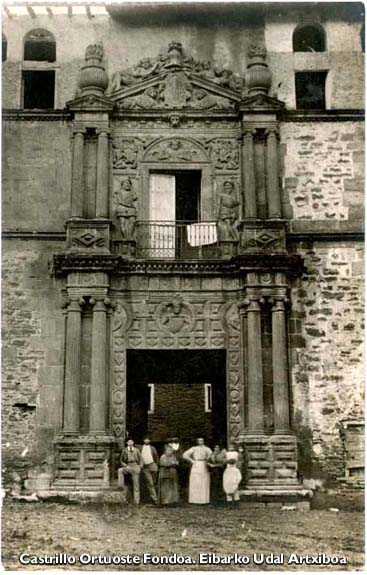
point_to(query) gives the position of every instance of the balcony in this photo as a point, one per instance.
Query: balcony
(177, 240)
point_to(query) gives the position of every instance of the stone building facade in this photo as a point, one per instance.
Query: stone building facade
(182, 236)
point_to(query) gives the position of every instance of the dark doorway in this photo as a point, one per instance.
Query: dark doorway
(177, 393)
(188, 196)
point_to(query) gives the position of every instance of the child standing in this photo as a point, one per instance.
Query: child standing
(232, 477)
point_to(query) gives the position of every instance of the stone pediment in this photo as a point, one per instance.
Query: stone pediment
(261, 102)
(174, 81)
(90, 102)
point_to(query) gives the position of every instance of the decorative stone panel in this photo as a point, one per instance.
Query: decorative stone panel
(88, 235)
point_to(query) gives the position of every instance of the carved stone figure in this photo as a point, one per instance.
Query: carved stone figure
(228, 213)
(126, 210)
(176, 316)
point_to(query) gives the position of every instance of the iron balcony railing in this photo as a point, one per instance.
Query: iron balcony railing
(177, 240)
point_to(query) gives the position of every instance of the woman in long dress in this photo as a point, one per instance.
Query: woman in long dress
(168, 491)
(216, 463)
(199, 480)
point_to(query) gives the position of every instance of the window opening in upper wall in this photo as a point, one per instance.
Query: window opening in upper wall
(309, 38)
(4, 48)
(310, 90)
(39, 89)
(40, 46)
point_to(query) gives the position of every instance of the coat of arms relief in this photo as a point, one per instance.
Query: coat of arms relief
(174, 80)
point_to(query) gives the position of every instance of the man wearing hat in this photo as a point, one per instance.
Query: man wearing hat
(131, 463)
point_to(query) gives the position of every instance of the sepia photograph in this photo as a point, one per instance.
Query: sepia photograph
(182, 191)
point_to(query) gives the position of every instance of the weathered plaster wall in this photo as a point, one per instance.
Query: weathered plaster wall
(324, 170)
(35, 175)
(32, 351)
(327, 334)
(343, 59)
(205, 36)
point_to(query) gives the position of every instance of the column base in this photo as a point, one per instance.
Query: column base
(271, 461)
(84, 462)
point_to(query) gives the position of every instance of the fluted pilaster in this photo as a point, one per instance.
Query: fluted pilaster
(102, 192)
(77, 185)
(280, 366)
(248, 174)
(71, 418)
(273, 192)
(98, 387)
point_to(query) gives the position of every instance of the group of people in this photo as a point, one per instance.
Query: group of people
(212, 473)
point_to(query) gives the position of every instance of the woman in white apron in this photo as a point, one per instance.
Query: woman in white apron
(199, 481)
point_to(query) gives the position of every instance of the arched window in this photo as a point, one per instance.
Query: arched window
(40, 46)
(39, 79)
(4, 48)
(309, 38)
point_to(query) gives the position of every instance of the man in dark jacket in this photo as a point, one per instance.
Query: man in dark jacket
(131, 464)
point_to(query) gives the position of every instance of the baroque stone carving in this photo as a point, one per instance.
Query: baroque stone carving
(228, 213)
(125, 210)
(175, 316)
(125, 154)
(224, 153)
(122, 317)
(181, 82)
(175, 59)
(177, 150)
(230, 317)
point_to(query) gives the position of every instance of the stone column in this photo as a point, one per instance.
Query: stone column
(273, 192)
(280, 367)
(248, 175)
(102, 192)
(77, 185)
(72, 367)
(98, 387)
(255, 402)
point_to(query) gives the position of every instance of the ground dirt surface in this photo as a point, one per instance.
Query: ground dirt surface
(45, 528)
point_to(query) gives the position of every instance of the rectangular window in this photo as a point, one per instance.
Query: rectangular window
(208, 397)
(39, 89)
(150, 398)
(310, 90)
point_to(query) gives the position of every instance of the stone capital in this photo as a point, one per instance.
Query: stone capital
(251, 303)
(278, 303)
(248, 133)
(100, 304)
(272, 131)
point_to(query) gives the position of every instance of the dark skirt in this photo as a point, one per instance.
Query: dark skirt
(168, 492)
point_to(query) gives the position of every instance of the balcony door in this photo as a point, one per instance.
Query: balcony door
(174, 202)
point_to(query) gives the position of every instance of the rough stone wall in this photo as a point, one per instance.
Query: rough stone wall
(326, 336)
(323, 170)
(35, 176)
(32, 352)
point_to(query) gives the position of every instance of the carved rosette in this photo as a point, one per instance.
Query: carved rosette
(122, 320)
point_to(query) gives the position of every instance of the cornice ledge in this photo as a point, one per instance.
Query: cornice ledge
(36, 115)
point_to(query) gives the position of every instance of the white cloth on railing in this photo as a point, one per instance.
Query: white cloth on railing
(202, 234)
